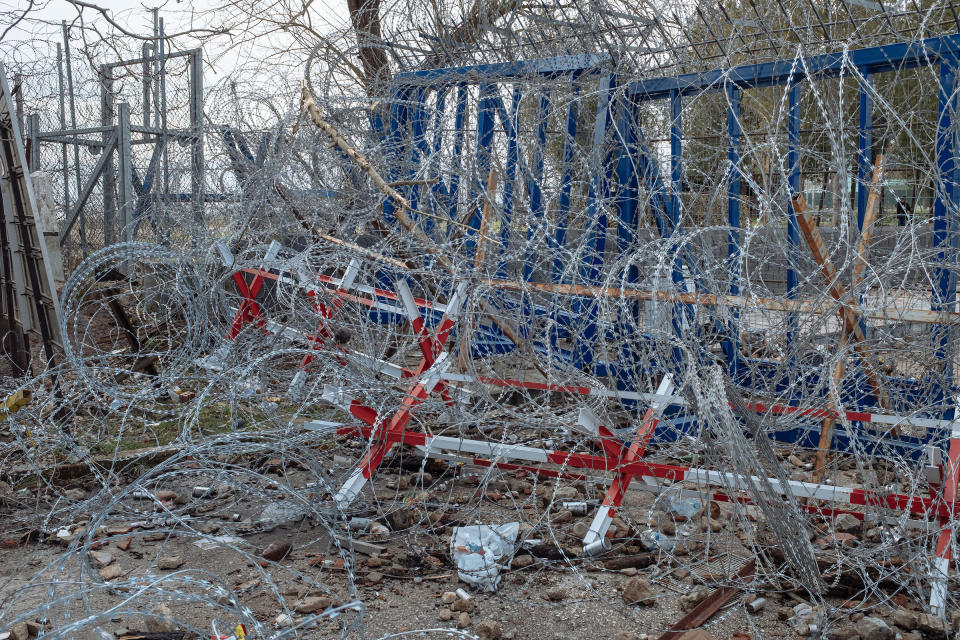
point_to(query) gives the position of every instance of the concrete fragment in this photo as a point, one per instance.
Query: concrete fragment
(905, 619)
(375, 577)
(463, 621)
(696, 596)
(931, 625)
(462, 605)
(448, 597)
(74, 494)
(19, 631)
(169, 563)
(314, 604)
(843, 633)
(562, 517)
(521, 561)
(445, 614)
(846, 523)
(100, 559)
(638, 591)
(111, 572)
(283, 621)
(871, 628)
(488, 630)
(276, 551)
(161, 620)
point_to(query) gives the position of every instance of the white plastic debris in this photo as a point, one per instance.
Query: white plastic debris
(481, 551)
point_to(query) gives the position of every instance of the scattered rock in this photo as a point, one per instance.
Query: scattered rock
(448, 597)
(445, 614)
(846, 523)
(169, 563)
(843, 633)
(314, 604)
(931, 625)
(111, 572)
(797, 462)
(34, 628)
(276, 551)
(905, 619)
(556, 594)
(562, 517)
(19, 631)
(695, 597)
(463, 621)
(399, 519)
(462, 605)
(161, 620)
(375, 577)
(870, 628)
(124, 545)
(521, 561)
(638, 591)
(784, 613)
(911, 635)
(101, 559)
(488, 630)
(712, 523)
(165, 495)
(374, 562)
(283, 621)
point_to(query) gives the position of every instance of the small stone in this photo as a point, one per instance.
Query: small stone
(562, 517)
(521, 561)
(19, 631)
(784, 613)
(843, 633)
(931, 625)
(34, 628)
(399, 519)
(488, 630)
(629, 571)
(905, 619)
(111, 572)
(846, 523)
(871, 628)
(314, 604)
(797, 462)
(911, 635)
(283, 621)
(638, 591)
(712, 523)
(374, 562)
(165, 495)
(100, 559)
(695, 597)
(276, 551)
(169, 563)
(555, 595)
(375, 577)
(463, 621)
(462, 605)
(445, 614)
(75, 494)
(161, 620)
(448, 597)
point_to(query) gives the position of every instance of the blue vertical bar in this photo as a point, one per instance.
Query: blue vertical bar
(418, 150)
(628, 220)
(676, 152)
(566, 180)
(864, 147)
(945, 228)
(508, 184)
(733, 220)
(793, 231)
(536, 206)
(485, 123)
(596, 229)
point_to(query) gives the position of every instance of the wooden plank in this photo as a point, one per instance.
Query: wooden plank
(709, 606)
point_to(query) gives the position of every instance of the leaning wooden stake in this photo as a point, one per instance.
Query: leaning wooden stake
(866, 236)
(848, 315)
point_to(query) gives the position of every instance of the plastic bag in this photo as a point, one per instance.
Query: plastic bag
(481, 551)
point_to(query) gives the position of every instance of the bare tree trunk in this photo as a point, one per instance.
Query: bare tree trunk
(365, 17)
